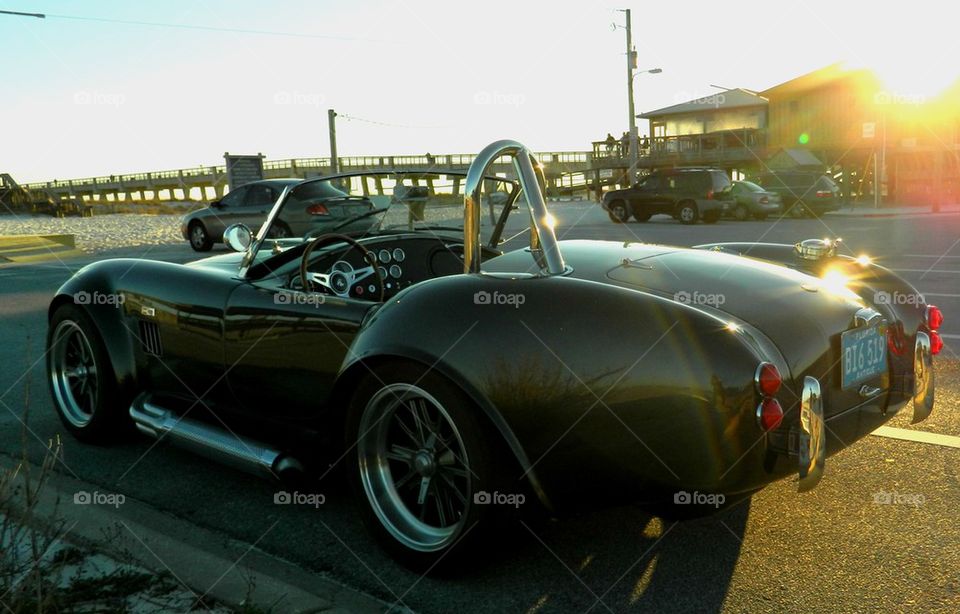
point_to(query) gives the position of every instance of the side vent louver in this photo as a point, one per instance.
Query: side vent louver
(150, 338)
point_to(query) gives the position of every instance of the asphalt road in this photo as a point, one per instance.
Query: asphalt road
(833, 549)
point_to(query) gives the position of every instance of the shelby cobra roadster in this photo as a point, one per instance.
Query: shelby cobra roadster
(450, 380)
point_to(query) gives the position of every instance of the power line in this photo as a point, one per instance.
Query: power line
(187, 26)
(386, 124)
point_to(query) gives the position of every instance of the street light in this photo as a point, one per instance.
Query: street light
(631, 73)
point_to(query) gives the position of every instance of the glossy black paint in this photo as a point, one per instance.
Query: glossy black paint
(602, 384)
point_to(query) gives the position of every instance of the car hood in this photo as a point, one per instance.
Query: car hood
(229, 263)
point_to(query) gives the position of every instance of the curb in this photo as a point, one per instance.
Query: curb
(37, 248)
(210, 564)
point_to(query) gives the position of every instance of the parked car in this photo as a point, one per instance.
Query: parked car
(439, 375)
(687, 194)
(750, 200)
(325, 207)
(804, 194)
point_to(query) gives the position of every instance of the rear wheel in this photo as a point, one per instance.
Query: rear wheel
(424, 466)
(81, 379)
(618, 212)
(687, 212)
(199, 239)
(279, 230)
(740, 212)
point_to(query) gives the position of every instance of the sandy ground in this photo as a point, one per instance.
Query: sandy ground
(101, 232)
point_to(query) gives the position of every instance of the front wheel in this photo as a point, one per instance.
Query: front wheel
(199, 238)
(81, 379)
(618, 212)
(425, 465)
(688, 213)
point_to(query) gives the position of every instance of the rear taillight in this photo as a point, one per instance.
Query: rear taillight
(824, 193)
(768, 379)
(936, 343)
(709, 194)
(933, 317)
(764, 200)
(318, 209)
(770, 414)
(768, 382)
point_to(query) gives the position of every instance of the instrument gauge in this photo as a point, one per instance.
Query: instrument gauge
(395, 271)
(382, 271)
(384, 256)
(399, 255)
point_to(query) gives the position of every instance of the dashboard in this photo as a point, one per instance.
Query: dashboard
(400, 261)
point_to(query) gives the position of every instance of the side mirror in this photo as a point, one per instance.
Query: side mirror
(238, 237)
(217, 204)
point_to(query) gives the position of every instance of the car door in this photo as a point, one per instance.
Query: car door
(226, 211)
(257, 204)
(283, 349)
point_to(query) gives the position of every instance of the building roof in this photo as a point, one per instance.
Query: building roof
(727, 99)
(819, 78)
(794, 158)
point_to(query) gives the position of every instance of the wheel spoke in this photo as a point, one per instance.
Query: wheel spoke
(399, 484)
(451, 486)
(440, 511)
(407, 430)
(401, 453)
(424, 490)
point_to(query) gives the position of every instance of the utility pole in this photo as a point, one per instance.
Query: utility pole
(332, 124)
(631, 65)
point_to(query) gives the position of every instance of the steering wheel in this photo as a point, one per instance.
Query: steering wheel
(342, 276)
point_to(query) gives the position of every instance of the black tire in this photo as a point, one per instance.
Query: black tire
(199, 237)
(419, 539)
(741, 213)
(86, 399)
(687, 212)
(711, 217)
(760, 216)
(641, 216)
(619, 212)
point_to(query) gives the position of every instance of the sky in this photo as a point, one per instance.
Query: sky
(82, 97)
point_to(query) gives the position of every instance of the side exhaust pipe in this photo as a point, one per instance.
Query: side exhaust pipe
(218, 444)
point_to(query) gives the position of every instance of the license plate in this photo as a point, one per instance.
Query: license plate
(864, 354)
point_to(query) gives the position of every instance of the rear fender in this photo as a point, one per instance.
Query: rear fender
(570, 370)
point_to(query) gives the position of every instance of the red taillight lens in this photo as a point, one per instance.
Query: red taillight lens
(824, 193)
(771, 414)
(318, 209)
(936, 343)
(934, 317)
(768, 379)
(709, 194)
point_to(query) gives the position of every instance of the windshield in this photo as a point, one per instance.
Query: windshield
(367, 203)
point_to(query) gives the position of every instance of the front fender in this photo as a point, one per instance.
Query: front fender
(598, 390)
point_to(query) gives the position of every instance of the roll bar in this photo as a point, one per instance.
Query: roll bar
(543, 240)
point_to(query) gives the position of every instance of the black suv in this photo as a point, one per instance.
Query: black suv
(687, 194)
(804, 193)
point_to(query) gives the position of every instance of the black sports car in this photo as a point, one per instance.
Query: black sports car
(455, 383)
